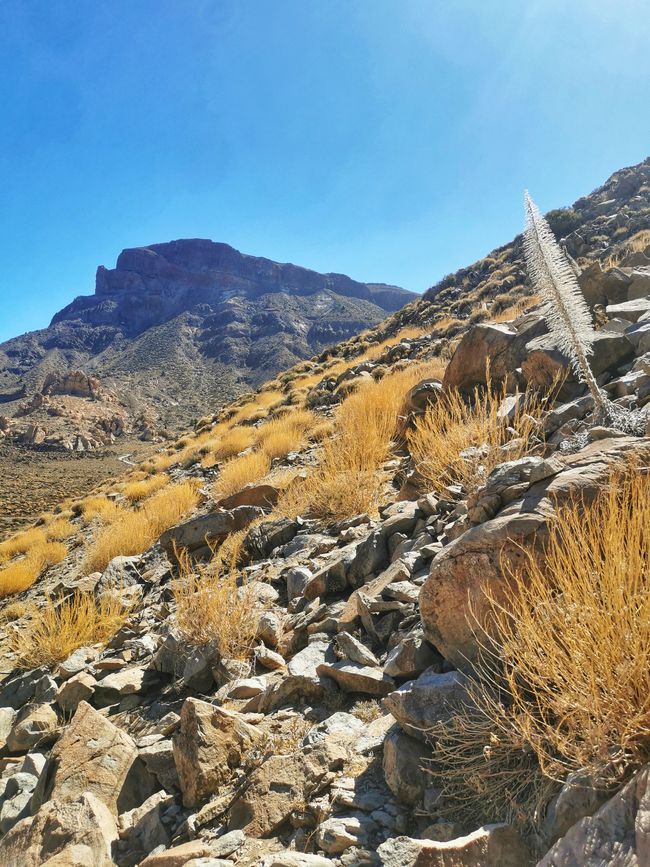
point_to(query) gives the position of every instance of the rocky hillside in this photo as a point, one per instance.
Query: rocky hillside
(178, 328)
(266, 646)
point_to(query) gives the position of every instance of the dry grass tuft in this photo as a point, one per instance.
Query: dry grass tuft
(285, 434)
(210, 607)
(486, 770)
(573, 635)
(348, 479)
(39, 553)
(516, 309)
(58, 529)
(563, 683)
(459, 442)
(134, 531)
(137, 491)
(241, 471)
(102, 508)
(57, 629)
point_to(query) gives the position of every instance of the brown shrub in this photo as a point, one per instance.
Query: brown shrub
(135, 531)
(459, 441)
(58, 628)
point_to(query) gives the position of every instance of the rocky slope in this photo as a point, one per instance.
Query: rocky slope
(313, 750)
(176, 329)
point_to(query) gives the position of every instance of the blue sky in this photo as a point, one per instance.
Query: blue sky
(386, 139)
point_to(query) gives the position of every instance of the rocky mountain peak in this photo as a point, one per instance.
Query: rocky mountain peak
(152, 284)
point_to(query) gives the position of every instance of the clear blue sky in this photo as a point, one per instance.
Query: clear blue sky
(386, 139)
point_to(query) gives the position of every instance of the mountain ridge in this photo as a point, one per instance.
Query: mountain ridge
(180, 326)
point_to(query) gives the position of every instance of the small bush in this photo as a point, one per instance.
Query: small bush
(486, 769)
(61, 626)
(137, 491)
(241, 471)
(58, 529)
(563, 684)
(459, 441)
(348, 479)
(21, 574)
(135, 531)
(285, 434)
(210, 607)
(102, 508)
(573, 635)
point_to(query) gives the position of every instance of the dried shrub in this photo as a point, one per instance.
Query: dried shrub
(573, 635)
(486, 769)
(102, 508)
(61, 626)
(241, 471)
(285, 434)
(21, 574)
(348, 479)
(137, 491)
(212, 608)
(459, 441)
(135, 531)
(563, 683)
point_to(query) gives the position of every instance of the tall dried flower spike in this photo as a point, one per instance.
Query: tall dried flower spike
(564, 307)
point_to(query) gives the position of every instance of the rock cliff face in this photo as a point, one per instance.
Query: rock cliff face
(178, 327)
(151, 285)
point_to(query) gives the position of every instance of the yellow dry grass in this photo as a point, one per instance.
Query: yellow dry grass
(55, 630)
(241, 471)
(348, 479)
(102, 508)
(258, 407)
(458, 441)
(134, 531)
(573, 636)
(58, 529)
(20, 574)
(285, 434)
(211, 607)
(137, 491)
(518, 308)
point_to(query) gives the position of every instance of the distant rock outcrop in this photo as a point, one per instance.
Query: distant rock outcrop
(183, 326)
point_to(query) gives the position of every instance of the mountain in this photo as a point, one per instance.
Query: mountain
(593, 229)
(176, 328)
(422, 636)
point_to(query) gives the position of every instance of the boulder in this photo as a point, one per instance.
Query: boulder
(179, 856)
(93, 756)
(159, 761)
(354, 677)
(197, 533)
(630, 310)
(338, 833)
(282, 784)
(80, 687)
(207, 747)
(295, 859)
(472, 562)
(500, 346)
(264, 538)
(263, 496)
(72, 833)
(604, 287)
(490, 846)
(404, 768)
(34, 725)
(411, 656)
(432, 698)
(617, 834)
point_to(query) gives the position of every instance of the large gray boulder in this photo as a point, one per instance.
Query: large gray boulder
(618, 834)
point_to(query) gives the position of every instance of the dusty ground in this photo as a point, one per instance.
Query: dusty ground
(34, 481)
